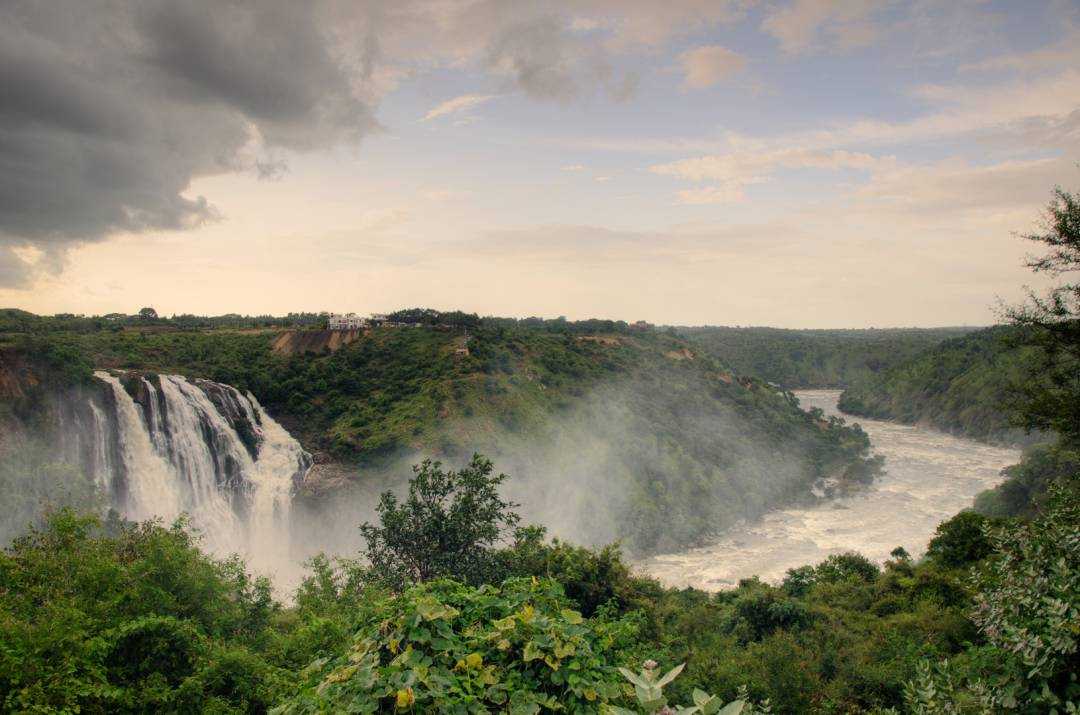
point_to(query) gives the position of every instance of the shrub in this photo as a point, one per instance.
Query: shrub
(1028, 606)
(849, 565)
(445, 647)
(961, 540)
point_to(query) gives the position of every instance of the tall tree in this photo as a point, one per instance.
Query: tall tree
(1050, 398)
(448, 525)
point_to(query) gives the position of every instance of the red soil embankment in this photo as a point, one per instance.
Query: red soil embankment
(315, 341)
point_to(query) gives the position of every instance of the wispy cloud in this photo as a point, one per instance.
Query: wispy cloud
(705, 67)
(1065, 53)
(728, 193)
(737, 169)
(458, 106)
(847, 24)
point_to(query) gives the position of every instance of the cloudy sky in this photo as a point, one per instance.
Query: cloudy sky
(799, 163)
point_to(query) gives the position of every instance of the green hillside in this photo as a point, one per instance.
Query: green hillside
(962, 386)
(627, 435)
(816, 358)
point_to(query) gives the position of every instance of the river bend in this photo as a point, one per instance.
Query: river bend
(929, 476)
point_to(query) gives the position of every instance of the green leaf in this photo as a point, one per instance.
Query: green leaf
(532, 651)
(505, 624)
(733, 708)
(634, 678)
(571, 616)
(522, 704)
(670, 675)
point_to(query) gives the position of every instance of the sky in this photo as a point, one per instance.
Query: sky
(794, 163)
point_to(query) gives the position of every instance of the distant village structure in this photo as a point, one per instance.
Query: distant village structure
(346, 321)
(352, 321)
(402, 319)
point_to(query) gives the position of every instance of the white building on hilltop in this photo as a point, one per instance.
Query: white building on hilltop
(345, 321)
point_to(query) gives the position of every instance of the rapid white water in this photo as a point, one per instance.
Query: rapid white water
(194, 447)
(929, 477)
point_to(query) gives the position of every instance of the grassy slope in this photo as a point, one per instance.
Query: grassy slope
(816, 358)
(960, 386)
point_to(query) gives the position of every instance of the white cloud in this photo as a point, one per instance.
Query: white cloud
(706, 66)
(742, 166)
(954, 192)
(737, 169)
(848, 24)
(457, 106)
(601, 179)
(574, 167)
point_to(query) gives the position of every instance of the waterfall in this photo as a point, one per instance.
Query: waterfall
(151, 488)
(166, 445)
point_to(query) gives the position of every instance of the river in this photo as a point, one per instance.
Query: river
(929, 476)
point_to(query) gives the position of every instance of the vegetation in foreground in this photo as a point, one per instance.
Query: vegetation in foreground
(107, 616)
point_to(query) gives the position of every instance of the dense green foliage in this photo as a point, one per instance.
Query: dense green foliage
(963, 386)
(1027, 605)
(20, 321)
(428, 316)
(117, 618)
(448, 648)
(1027, 483)
(800, 359)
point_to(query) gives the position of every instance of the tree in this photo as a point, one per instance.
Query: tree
(1050, 398)
(449, 525)
(148, 314)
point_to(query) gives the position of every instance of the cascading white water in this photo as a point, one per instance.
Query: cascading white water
(151, 490)
(273, 479)
(221, 459)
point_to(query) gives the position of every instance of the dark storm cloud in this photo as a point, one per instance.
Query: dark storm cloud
(111, 108)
